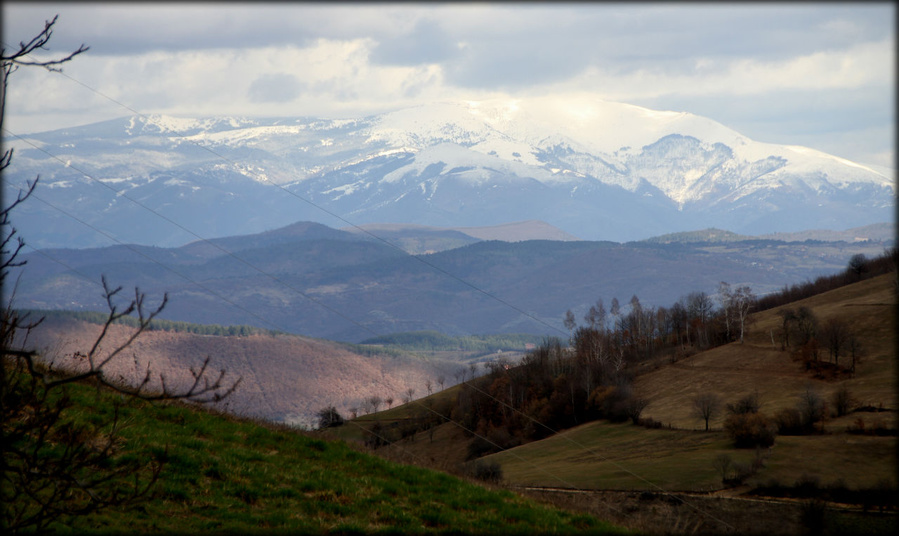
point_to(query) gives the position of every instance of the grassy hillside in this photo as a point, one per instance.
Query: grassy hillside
(869, 308)
(227, 475)
(667, 475)
(600, 455)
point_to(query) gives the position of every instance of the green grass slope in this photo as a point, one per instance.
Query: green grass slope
(228, 475)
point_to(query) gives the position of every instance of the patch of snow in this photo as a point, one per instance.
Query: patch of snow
(345, 190)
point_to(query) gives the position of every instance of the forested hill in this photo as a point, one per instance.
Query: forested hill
(330, 284)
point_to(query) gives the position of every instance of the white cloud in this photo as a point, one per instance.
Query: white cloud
(865, 64)
(346, 59)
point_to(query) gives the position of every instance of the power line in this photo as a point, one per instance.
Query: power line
(262, 178)
(142, 254)
(351, 224)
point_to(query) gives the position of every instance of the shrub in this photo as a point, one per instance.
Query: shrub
(649, 422)
(377, 436)
(749, 430)
(488, 471)
(789, 422)
(723, 463)
(842, 401)
(480, 446)
(807, 485)
(747, 404)
(329, 417)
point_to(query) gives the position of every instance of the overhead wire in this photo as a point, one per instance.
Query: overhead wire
(318, 302)
(263, 178)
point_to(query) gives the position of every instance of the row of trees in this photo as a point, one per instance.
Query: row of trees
(807, 339)
(857, 268)
(158, 324)
(558, 386)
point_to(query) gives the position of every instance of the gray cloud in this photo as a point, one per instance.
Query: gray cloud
(426, 43)
(844, 123)
(371, 55)
(279, 87)
(613, 30)
(548, 42)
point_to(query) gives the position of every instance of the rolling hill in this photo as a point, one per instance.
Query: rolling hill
(284, 378)
(309, 279)
(226, 475)
(665, 473)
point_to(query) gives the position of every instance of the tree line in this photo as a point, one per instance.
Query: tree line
(157, 324)
(859, 267)
(557, 386)
(435, 341)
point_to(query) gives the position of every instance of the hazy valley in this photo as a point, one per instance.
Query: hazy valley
(312, 280)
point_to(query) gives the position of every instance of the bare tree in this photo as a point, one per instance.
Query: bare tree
(460, 375)
(429, 386)
(705, 406)
(788, 320)
(856, 351)
(374, 402)
(736, 304)
(806, 325)
(634, 407)
(811, 408)
(858, 264)
(723, 463)
(747, 404)
(835, 335)
(842, 401)
(615, 311)
(389, 401)
(699, 310)
(409, 395)
(596, 316)
(21, 56)
(441, 381)
(55, 467)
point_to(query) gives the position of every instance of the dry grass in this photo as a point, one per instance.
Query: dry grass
(667, 481)
(758, 365)
(625, 457)
(604, 456)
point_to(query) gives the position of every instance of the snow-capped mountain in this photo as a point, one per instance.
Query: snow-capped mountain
(595, 169)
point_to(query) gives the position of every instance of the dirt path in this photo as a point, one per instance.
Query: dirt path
(723, 511)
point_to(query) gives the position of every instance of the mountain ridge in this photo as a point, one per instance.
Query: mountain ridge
(594, 169)
(338, 285)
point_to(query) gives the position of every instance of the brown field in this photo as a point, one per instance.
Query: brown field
(758, 365)
(663, 481)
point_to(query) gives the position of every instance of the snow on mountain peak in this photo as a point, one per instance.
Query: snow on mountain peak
(615, 134)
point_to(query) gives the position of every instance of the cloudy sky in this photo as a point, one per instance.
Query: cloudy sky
(818, 75)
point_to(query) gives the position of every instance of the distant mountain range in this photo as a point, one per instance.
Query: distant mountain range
(595, 170)
(313, 280)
